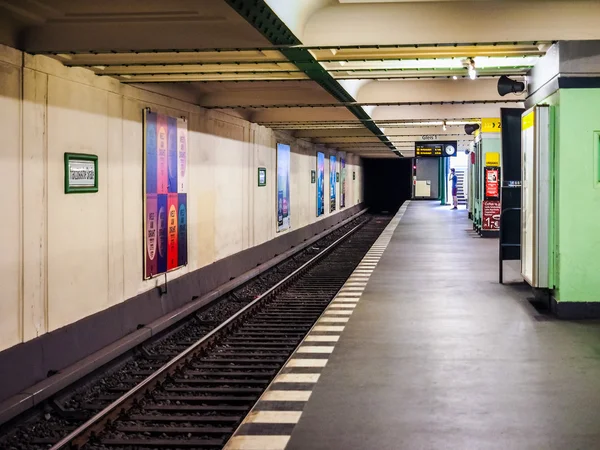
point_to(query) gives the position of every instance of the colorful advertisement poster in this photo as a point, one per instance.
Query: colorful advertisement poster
(165, 202)
(162, 208)
(182, 229)
(182, 157)
(332, 185)
(151, 225)
(173, 220)
(283, 187)
(162, 179)
(320, 184)
(343, 183)
(492, 183)
(491, 215)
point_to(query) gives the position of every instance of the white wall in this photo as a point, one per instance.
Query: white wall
(64, 257)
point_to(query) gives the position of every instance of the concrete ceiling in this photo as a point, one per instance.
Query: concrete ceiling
(126, 25)
(355, 75)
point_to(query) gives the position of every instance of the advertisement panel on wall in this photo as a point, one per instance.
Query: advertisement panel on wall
(492, 183)
(490, 220)
(165, 196)
(332, 185)
(320, 183)
(343, 183)
(283, 187)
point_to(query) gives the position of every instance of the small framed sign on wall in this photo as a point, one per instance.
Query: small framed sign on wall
(262, 176)
(313, 177)
(81, 173)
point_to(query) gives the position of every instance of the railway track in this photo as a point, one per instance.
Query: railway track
(194, 392)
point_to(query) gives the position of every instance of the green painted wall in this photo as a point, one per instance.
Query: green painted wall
(577, 195)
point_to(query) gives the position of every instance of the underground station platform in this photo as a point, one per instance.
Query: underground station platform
(428, 351)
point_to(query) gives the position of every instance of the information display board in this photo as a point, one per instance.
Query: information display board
(81, 173)
(165, 196)
(491, 125)
(262, 176)
(436, 149)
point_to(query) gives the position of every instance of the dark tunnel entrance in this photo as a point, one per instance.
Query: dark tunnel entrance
(387, 183)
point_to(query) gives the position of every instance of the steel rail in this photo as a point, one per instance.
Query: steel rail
(95, 420)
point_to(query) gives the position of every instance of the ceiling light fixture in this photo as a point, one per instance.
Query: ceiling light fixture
(444, 126)
(455, 77)
(471, 69)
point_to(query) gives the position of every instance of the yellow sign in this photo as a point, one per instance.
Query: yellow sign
(528, 119)
(491, 125)
(492, 159)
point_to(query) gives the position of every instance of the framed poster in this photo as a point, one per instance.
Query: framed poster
(283, 187)
(262, 176)
(320, 184)
(81, 173)
(492, 183)
(332, 186)
(165, 193)
(313, 177)
(343, 183)
(490, 215)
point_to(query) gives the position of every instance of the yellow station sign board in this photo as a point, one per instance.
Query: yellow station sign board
(492, 159)
(491, 125)
(527, 120)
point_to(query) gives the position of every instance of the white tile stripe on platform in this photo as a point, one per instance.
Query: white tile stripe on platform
(315, 345)
(338, 312)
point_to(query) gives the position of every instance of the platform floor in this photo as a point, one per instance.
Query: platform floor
(438, 355)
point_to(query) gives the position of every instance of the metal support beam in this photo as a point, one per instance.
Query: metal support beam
(260, 15)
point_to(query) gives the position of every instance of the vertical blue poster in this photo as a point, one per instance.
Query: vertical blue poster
(343, 183)
(150, 157)
(332, 185)
(320, 184)
(283, 187)
(172, 154)
(165, 196)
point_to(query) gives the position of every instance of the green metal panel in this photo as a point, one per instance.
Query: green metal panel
(443, 180)
(577, 195)
(261, 17)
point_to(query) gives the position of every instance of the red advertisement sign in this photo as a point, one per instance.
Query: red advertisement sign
(491, 215)
(492, 183)
(172, 233)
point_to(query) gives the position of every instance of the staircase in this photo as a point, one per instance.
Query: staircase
(461, 185)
